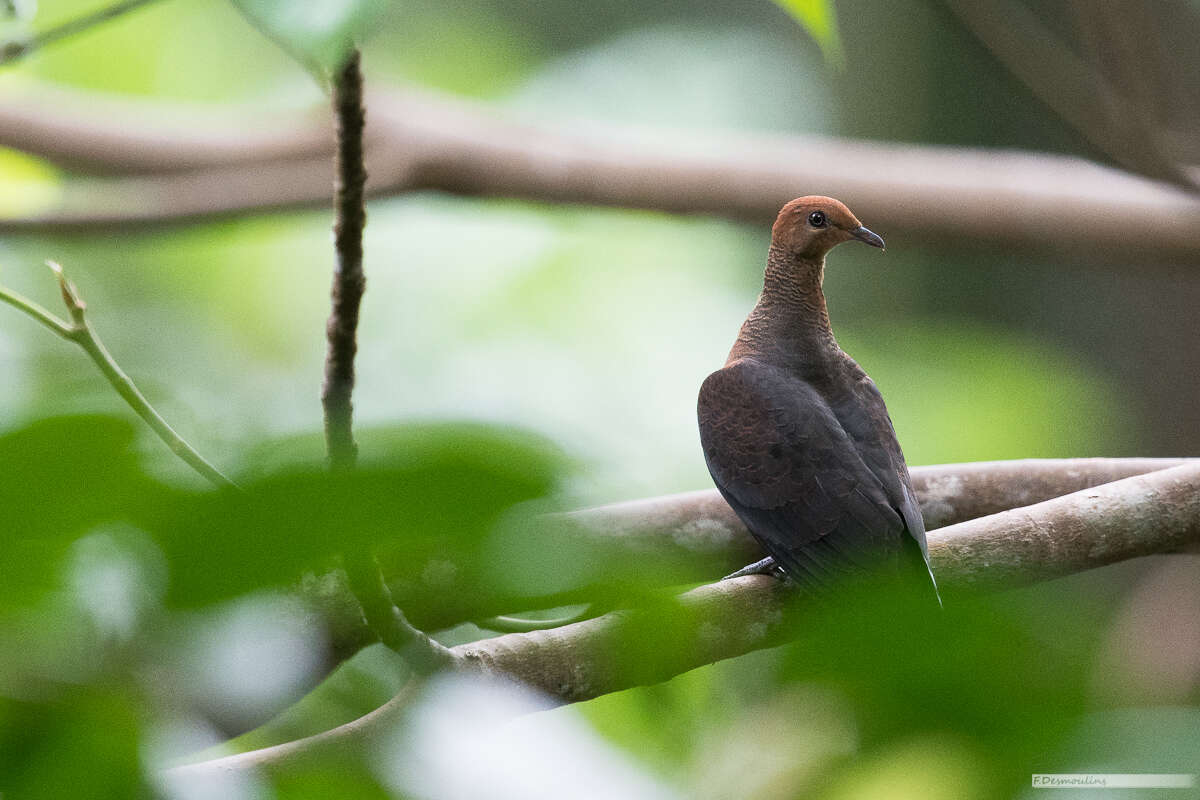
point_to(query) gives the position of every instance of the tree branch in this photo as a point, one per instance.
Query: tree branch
(382, 615)
(35, 311)
(422, 141)
(695, 536)
(1152, 513)
(80, 331)
(683, 539)
(387, 621)
(349, 282)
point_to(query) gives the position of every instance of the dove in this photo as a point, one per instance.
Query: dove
(796, 435)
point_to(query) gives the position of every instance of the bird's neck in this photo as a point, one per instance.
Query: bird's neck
(790, 324)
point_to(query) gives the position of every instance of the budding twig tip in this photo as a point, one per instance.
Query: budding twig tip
(70, 294)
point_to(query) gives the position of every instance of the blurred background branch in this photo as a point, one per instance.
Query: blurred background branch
(163, 170)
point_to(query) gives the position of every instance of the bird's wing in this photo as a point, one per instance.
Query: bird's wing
(783, 461)
(865, 419)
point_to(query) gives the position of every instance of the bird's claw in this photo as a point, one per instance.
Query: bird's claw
(766, 566)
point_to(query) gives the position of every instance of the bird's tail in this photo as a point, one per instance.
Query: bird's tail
(916, 570)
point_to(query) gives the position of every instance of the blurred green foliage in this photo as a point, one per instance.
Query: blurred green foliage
(995, 394)
(423, 486)
(319, 32)
(83, 743)
(820, 19)
(592, 328)
(63, 477)
(877, 698)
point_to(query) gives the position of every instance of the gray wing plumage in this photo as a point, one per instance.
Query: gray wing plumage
(822, 486)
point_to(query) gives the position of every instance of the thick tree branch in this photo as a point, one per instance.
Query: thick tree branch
(118, 135)
(1157, 512)
(1151, 513)
(1154, 513)
(695, 536)
(948, 493)
(683, 539)
(421, 141)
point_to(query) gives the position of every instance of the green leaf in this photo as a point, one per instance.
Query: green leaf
(83, 744)
(967, 668)
(441, 487)
(317, 33)
(332, 776)
(820, 20)
(421, 491)
(59, 478)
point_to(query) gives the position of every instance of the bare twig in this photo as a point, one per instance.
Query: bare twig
(422, 653)
(502, 623)
(20, 48)
(422, 141)
(380, 611)
(32, 309)
(1152, 513)
(348, 279)
(80, 331)
(344, 742)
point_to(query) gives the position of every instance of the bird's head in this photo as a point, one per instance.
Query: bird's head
(809, 227)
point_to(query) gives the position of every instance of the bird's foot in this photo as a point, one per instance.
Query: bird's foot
(765, 567)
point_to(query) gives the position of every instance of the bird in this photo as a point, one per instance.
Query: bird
(797, 437)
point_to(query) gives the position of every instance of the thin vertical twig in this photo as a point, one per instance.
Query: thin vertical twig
(349, 282)
(379, 610)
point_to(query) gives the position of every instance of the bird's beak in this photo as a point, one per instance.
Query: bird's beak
(869, 237)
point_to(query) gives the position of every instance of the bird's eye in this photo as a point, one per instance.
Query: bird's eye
(817, 219)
